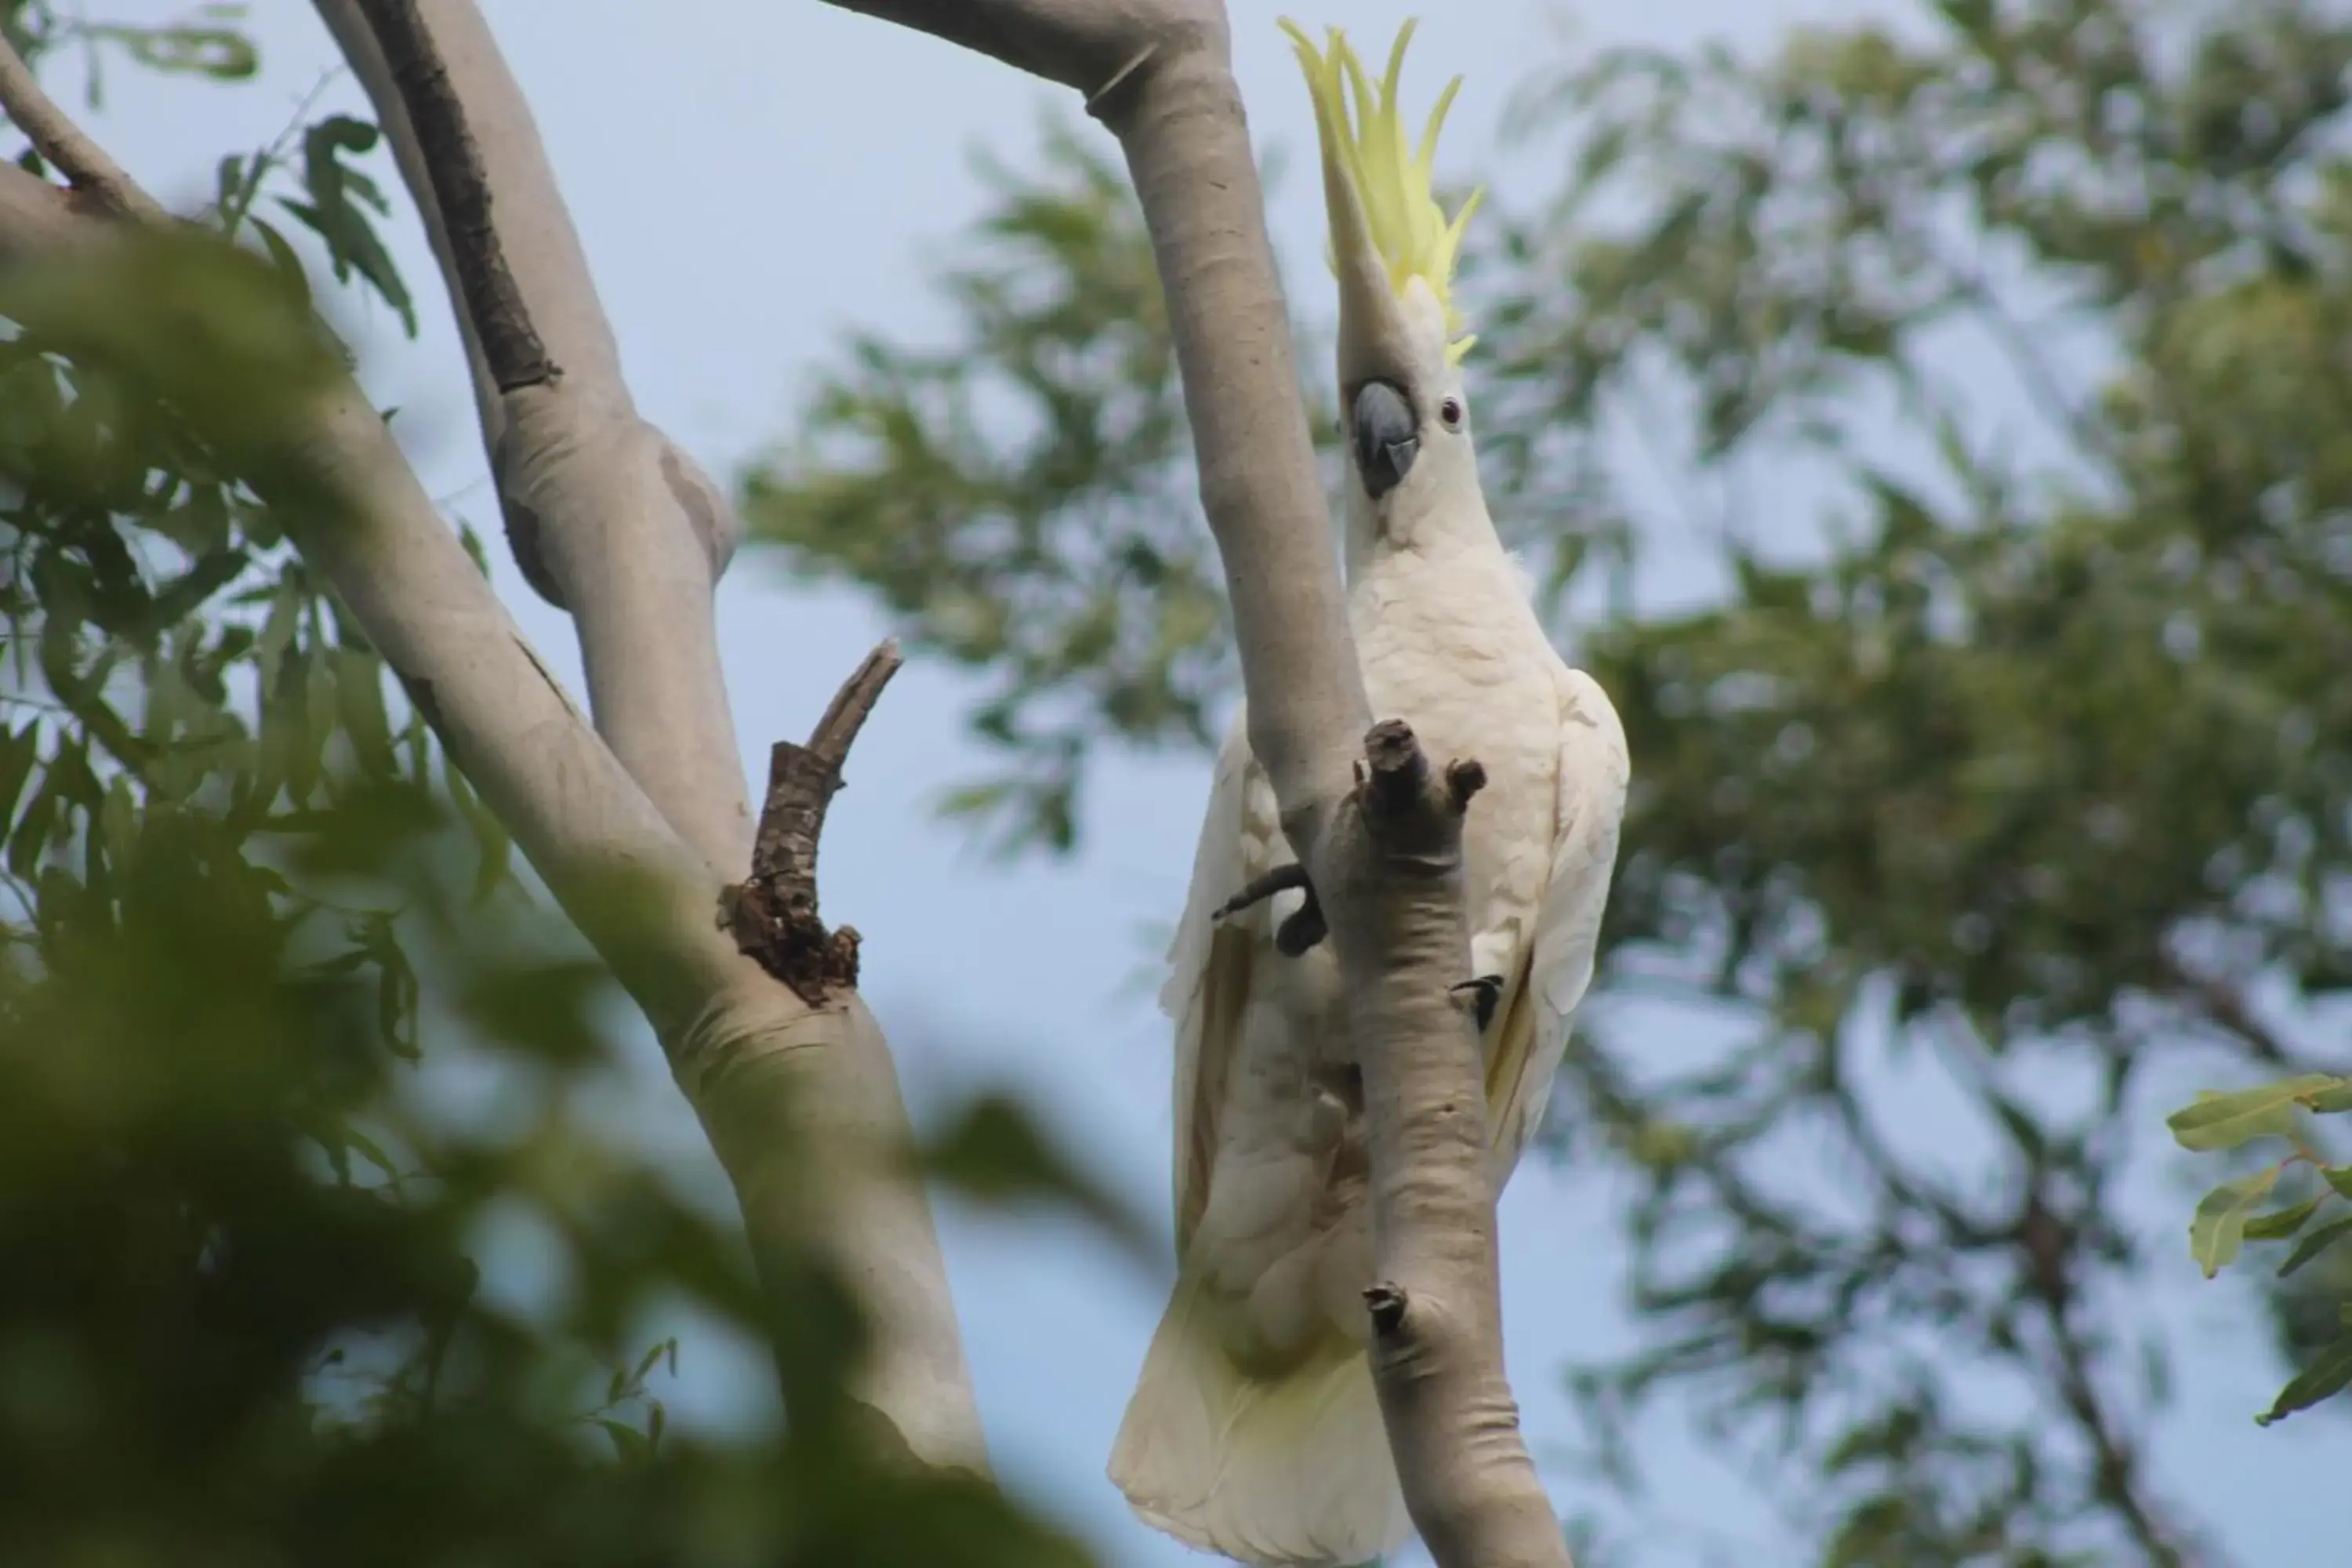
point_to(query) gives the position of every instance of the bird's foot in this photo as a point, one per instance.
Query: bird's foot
(1486, 991)
(1305, 926)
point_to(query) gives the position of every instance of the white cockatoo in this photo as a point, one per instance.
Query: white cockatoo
(1254, 1430)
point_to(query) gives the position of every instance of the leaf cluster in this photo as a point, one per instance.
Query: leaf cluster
(2232, 1214)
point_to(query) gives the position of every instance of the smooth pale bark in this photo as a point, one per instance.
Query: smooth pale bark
(801, 1104)
(1384, 857)
(607, 517)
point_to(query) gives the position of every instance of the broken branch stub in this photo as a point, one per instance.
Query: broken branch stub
(773, 915)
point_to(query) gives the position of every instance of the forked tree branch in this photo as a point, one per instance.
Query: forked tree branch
(1385, 860)
(610, 519)
(606, 517)
(801, 1104)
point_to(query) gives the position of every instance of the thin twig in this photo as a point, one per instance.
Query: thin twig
(87, 168)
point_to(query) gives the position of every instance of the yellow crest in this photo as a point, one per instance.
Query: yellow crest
(1392, 177)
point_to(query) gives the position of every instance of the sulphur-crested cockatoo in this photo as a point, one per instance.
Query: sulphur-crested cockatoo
(1254, 1430)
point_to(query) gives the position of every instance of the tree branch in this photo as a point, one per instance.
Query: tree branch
(1435, 1305)
(459, 190)
(1385, 860)
(609, 519)
(1159, 75)
(605, 516)
(801, 1105)
(57, 138)
(775, 914)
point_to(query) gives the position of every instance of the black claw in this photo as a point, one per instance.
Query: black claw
(1305, 928)
(1280, 880)
(1488, 993)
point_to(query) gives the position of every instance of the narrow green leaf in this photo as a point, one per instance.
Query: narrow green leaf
(996, 1154)
(627, 1441)
(359, 689)
(2281, 1222)
(2313, 1244)
(118, 821)
(489, 835)
(373, 1153)
(2219, 1228)
(282, 252)
(2328, 1101)
(2224, 1121)
(17, 754)
(2329, 1370)
(2338, 1177)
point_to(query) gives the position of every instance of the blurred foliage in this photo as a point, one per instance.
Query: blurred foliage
(2232, 1214)
(243, 1305)
(244, 1320)
(1995, 794)
(207, 40)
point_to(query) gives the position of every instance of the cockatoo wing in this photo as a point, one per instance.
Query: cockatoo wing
(1209, 961)
(1590, 803)
(1291, 1467)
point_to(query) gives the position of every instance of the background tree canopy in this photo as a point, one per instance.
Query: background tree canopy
(1999, 357)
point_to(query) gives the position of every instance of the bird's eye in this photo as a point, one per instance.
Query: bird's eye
(1450, 411)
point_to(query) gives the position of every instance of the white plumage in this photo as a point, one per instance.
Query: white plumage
(1254, 1430)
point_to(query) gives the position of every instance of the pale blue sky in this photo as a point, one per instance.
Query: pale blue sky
(750, 179)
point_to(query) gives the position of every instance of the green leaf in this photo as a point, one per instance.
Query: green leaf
(373, 1153)
(996, 1153)
(17, 752)
(2328, 1101)
(627, 1441)
(2224, 1121)
(119, 822)
(282, 252)
(359, 689)
(335, 214)
(2338, 1177)
(2329, 1370)
(546, 1011)
(2281, 1222)
(2313, 1244)
(2219, 1226)
(490, 839)
(235, 180)
(221, 53)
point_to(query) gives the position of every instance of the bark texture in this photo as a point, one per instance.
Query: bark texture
(1377, 826)
(782, 1087)
(606, 516)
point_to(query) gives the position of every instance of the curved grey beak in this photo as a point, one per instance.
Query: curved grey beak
(1387, 437)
